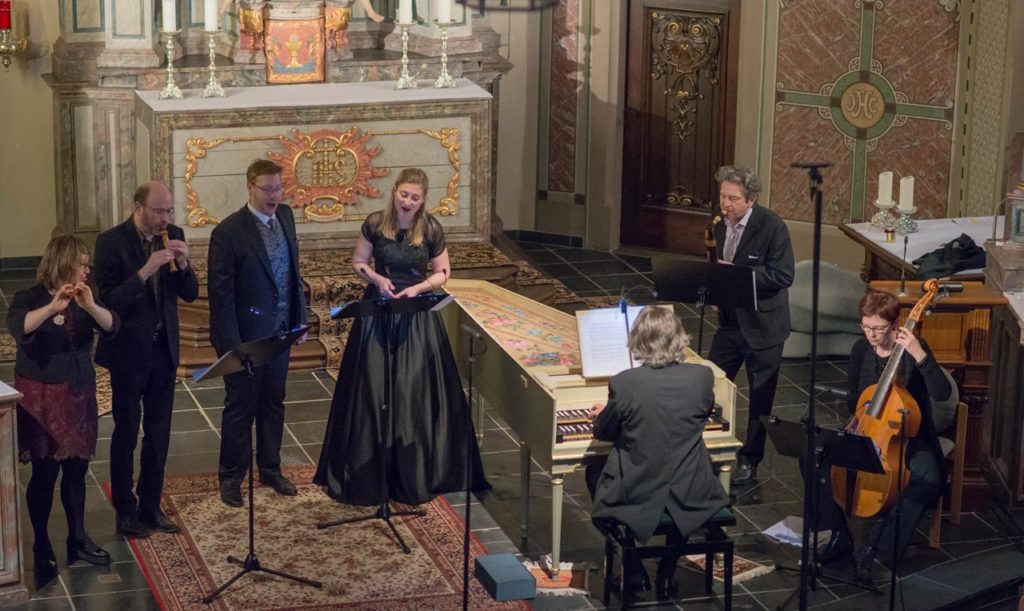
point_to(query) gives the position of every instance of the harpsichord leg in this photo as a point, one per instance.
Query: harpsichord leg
(557, 487)
(524, 484)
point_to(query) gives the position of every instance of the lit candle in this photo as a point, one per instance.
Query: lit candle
(444, 11)
(210, 16)
(907, 193)
(170, 15)
(404, 11)
(5, 14)
(885, 189)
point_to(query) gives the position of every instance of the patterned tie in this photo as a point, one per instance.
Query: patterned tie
(730, 245)
(272, 224)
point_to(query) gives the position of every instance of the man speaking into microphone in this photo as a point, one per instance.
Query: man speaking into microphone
(753, 236)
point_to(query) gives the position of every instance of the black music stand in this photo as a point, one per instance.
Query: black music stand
(703, 283)
(247, 357)
(832, 448)
(387, 307)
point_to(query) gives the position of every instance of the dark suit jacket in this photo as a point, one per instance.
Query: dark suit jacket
(656, 418)
(241, 282)
(765, 246)
(119, 256)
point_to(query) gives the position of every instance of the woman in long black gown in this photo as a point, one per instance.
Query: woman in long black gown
(430, 424)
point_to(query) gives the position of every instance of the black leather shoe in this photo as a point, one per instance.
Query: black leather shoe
(839, 545)
(87, 550)
(160, 522)
(665, 583)
(128, 525)
(45, 563)
(231, 494)
(279, 483)
(863, 561)
(744, 474)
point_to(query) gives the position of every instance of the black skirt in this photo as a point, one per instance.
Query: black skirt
(427, 426)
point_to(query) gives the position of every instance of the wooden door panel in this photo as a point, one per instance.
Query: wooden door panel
(679, 120)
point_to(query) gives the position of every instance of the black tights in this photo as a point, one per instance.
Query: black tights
(39, 496)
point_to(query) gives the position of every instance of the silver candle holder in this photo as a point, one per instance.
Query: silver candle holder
(444, 79)
(884, 217)
(170, 89)
(905, 224)
(213, 88)
(405, 80)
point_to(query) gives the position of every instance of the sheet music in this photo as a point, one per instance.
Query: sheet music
(603, 336)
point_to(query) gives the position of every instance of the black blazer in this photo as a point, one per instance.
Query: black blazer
(118, 259)
(765, 246)
(241, 282)
(659, 463)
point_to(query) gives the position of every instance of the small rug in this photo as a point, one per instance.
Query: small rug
(573, 578)
(742, 569)
(360, 565)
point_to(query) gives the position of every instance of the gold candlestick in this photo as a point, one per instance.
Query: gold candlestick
(444, 79)
(171, 89)
(9, 45)
(405, 80)
(213, 88)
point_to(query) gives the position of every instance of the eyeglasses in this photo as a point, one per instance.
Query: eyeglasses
(881, 329)
(167, 211)
(269, 188)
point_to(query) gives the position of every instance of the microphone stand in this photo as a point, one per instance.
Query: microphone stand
(903, 268)
(474, 336)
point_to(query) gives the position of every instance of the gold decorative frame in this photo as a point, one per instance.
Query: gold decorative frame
(197, 148)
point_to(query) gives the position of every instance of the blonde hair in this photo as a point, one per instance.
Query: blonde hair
(657, 337)
(62, 255)
(389, 221)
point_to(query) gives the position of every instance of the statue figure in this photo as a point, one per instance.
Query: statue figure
(337, 14)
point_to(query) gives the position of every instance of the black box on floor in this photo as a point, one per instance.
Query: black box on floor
(505, 578)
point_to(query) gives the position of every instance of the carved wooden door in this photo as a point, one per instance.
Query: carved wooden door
(679, 119)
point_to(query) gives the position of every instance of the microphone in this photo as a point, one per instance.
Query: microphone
(903, 268)
(950, 287)
(622, 299)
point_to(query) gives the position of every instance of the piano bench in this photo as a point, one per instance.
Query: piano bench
(711, 540)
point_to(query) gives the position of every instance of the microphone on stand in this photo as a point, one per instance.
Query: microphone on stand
(903, 268)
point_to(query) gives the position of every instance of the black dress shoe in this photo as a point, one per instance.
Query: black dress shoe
(279, 483)
(86, 549)
(159, 521)
(839, 545)
(231, 494)
(128, 525)
(863, 561)
(744, 474)
(665, 583)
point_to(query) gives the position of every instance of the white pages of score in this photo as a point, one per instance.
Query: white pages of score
(603, 336)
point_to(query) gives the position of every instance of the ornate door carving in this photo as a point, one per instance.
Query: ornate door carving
(680, 118)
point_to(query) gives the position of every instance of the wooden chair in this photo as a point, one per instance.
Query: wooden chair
(955, 450)
(711, 540)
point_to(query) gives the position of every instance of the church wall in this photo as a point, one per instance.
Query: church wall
(27, 191)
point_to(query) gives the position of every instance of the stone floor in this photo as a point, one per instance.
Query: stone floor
(974, 556)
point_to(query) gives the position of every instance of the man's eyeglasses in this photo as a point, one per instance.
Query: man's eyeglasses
(167, 211)
(269, 188)
(882, 329)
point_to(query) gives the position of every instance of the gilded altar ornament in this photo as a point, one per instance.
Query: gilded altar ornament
(685, 49)
(250, 20)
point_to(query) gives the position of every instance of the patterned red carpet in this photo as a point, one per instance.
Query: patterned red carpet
(360, 565)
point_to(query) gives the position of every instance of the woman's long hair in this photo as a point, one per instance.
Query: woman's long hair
(389, 222)
(62, 255)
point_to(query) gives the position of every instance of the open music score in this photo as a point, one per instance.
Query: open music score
(603, 335)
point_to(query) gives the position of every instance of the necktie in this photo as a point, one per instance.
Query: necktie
(730, 245)
(272, 224)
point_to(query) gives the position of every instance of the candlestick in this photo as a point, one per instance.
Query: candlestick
(169, 15)
(444, 11)
(213, 88)
(171, 89)
(905, 224)
(210, 15)
(444, 79)
(405, 80)
(884, 189)
(5, 14)
(404, 11)
(906, 193)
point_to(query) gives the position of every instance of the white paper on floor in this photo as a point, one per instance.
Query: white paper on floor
(791, 531)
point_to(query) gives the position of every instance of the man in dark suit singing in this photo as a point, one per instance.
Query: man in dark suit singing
(255, 291)
(755, 237)
(141, 270)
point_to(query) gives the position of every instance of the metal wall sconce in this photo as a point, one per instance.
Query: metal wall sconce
(9, 45)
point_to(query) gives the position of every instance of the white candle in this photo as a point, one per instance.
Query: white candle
(907, 193)
(444, 11)
(170, 15)
(210, 15)
(404, 11)
(885, 189)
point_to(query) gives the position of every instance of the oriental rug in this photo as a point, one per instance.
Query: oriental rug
(360, 565)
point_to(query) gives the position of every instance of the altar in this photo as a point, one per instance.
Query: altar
(341, 146)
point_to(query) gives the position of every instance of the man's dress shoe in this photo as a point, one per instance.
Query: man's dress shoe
(839, 544)
(128, 525)
(744, 474)
(279, 483)
(231, 494)
(159, 521)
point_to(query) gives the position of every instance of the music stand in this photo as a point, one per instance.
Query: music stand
(247, 357)
(832, 448)
(387, 307)
(703, 283)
